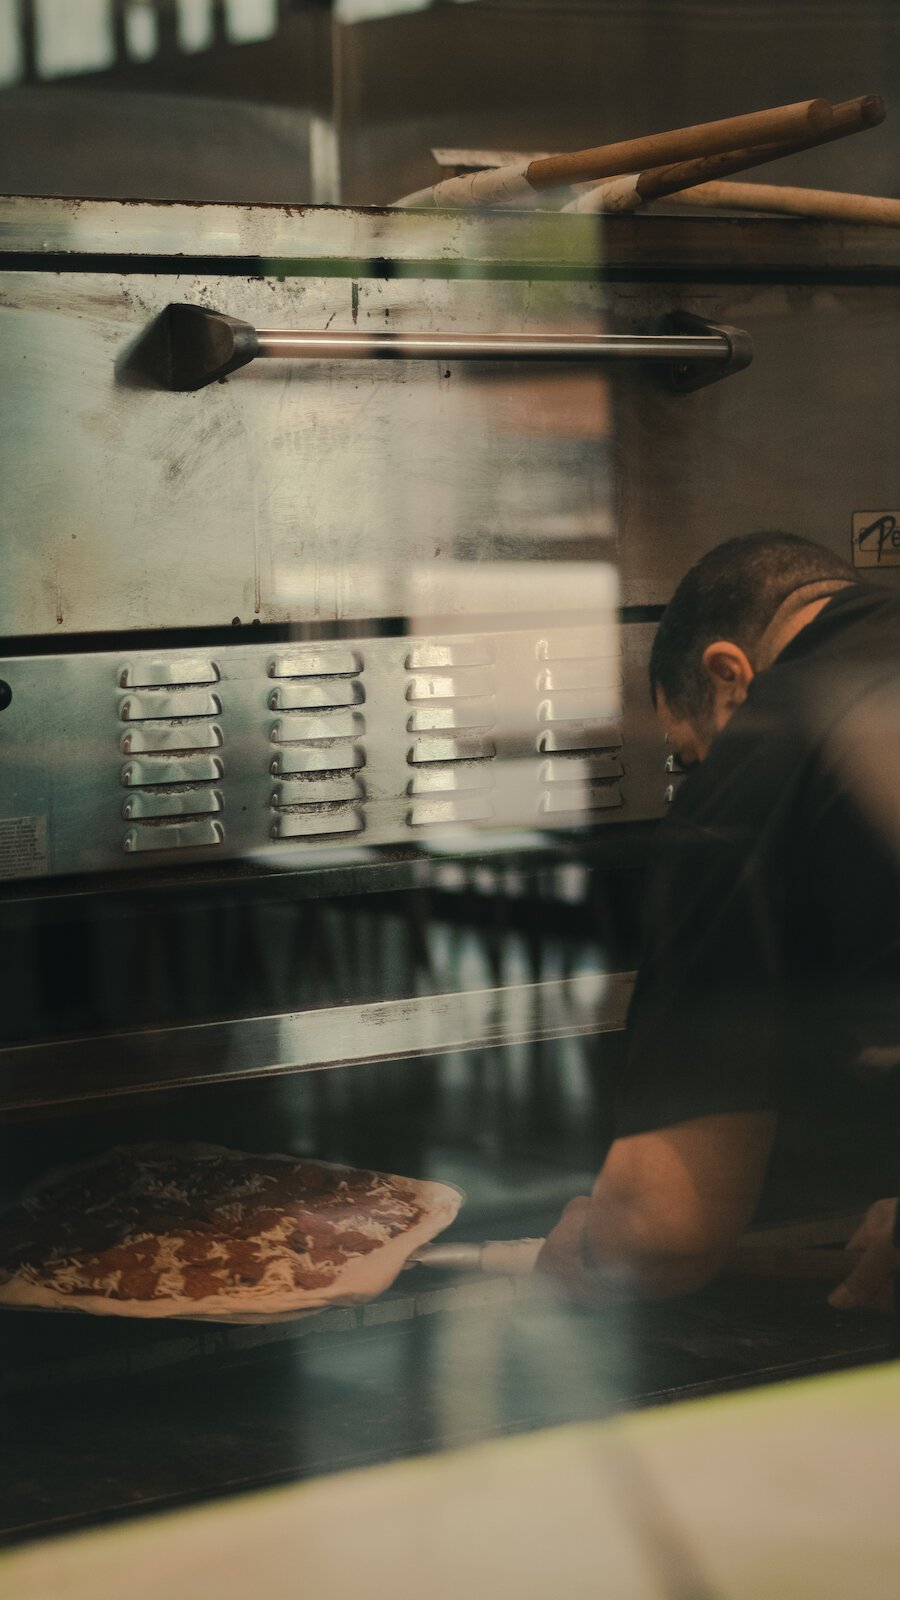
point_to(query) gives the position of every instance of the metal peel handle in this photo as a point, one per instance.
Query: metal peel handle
(509, 1257)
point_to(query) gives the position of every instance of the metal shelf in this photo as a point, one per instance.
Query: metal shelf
(38, 1076)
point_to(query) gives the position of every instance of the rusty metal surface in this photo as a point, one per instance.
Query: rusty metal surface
(367, 237)
(307, 495)
(285, 494)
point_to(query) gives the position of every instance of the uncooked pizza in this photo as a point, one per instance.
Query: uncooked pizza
(161, 1230)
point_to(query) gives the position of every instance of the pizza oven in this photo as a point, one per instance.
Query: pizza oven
(334, 542)
(311, 524)
(333, 546)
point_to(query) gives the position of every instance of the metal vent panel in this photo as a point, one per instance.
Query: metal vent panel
(514, 728)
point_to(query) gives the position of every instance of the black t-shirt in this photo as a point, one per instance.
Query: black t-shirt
(773, 929)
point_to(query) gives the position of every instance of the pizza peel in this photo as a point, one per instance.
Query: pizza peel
(768, 1253)
(507, 1257)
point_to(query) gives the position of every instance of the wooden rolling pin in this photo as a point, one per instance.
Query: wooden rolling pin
(805, 119)
(499, 185)
(637, 189)
(827, 205)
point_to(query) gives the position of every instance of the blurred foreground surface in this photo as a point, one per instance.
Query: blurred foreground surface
(723, 1500)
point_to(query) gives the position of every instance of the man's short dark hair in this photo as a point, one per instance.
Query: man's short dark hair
(732, 592)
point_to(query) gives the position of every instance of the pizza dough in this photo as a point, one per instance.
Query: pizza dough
(199, 1231)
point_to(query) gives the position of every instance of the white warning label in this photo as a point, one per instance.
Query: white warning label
(876, 539)
(23, 847)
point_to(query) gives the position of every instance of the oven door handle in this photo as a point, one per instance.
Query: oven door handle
(188, 347)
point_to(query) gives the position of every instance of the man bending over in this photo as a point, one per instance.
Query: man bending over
(774, 914)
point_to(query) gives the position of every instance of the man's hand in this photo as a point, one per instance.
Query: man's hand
(565, 1257)
(563, 1254)
(870, 1284)
(665, 1211)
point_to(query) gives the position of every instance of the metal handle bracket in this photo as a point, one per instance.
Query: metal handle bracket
(194, 347)
(686, 376)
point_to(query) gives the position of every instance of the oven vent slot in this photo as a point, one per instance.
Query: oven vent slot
(316, 694)
(581, 769)
(429, 750)
(444, 791)
(452, 705)
(311, 804)
(331, 661)
(434, 719)
(598, 675)
(452, 700)
(170, 740)
(580, 783)
(582, 705)
(163, 705)
(177, 738)
(455, 778)
(577, 797)
(598, 740)
(161, 835)
(314, 822)
(184, 672)
(563, 647)
(469, 684)
(430, 656)
(317, 726)
(183, 800)
(312, 789)
(587, 705)
(296, 759)
(463, 808)
(454, 782)
(320, 754)
(154, 771)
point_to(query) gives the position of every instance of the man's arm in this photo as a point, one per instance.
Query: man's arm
(665, 1211)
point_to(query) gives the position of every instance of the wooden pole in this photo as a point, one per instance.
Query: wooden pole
(634, 190)
(827, 205)
(852, 116)
(516, 184)
(804, 119)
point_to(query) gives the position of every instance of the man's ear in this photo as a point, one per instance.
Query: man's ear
(729, 669)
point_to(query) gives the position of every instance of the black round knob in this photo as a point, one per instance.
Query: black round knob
(5, 694)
